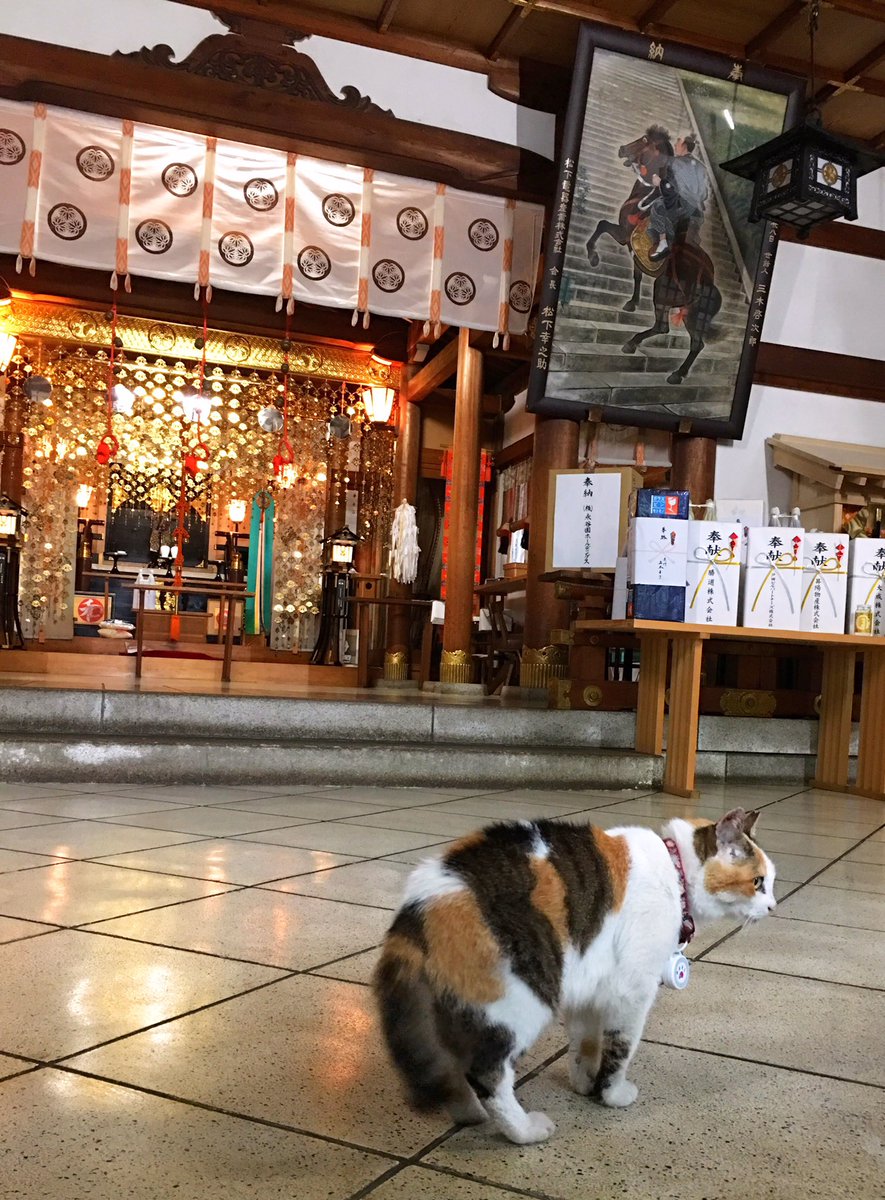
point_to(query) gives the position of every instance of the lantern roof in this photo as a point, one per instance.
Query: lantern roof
(809, 133)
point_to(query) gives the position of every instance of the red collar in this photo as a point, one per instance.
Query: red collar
(686, 932)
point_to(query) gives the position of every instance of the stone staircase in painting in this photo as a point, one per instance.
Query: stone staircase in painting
(587, 363)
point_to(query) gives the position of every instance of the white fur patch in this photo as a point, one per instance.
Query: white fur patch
(429, 880)
(520, 1010)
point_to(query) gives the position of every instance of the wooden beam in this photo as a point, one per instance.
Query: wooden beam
(853, 74)
(842, 236)
(435, 373)
(515, 452)
(511, 24)
(388, 12)
(817, 371)
(774, 28)
(123, 88)
(654, 13)
(873, 10)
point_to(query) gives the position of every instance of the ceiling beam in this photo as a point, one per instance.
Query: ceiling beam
(513, 21)
(853, 75)
(388, 12)
(435, 373)
(873, 10)
(774, 28)
(654, 13)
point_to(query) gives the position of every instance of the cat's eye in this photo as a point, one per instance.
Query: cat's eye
(759, 883)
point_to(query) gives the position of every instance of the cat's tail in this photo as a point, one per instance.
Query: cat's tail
(406, 1002)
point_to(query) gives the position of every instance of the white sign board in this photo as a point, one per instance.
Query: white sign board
(587, 520)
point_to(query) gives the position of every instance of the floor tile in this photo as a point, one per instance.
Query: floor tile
(20, 860)
(666, 807)
(21, 820)
(86, 839)
(804, 948)
(274, 928)
(418, 855)
(11, 929)
(356, 969)
(10, 792)
(229, 861)
(422, 820)
(493, 808)
(835, 1037)
(141, 1147)
(187, 794)
(315, 1061)
(859, 877)
(72, 893)
(307, 808)
(424, 1183)
(87, 807)
(396, 797)
(794, 868)
(379, 884)
(832, 826)
(870, 852)
(814, 845)
(339, 837)
(12, 1066)
(210, 822)
(702, 1127)
(835, 906)
(92, 988)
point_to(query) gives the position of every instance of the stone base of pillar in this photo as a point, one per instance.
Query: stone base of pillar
(397, 685)
(396, 665)
(456, 666)
(538, 667)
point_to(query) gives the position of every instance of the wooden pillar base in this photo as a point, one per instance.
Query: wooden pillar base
(834, 730)
(682, 735)
(871, 744)
(538, 667)
(456, 666)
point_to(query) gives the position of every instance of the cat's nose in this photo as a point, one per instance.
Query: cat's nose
(772, 904)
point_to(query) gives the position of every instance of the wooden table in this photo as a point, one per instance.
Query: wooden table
(685, 643)
(362, 662)
(232, 594)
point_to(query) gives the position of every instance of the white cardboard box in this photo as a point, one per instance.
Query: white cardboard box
(713, 573)
(866, 582)
(824, 583)
(656, 550)
(772, 594)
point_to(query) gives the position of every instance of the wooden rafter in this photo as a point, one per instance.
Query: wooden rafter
(385, 17)
(774, 28)
(873, 10)
(511, 24)
(854, 75)
(654, 13)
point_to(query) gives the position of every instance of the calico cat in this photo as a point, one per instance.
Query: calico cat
(522, 920)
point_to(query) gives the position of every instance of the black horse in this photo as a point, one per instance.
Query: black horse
(685, 278)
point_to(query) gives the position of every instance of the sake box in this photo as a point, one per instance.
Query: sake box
(866, 581)
(824, 583)
(713, 573)
(661, 502)
(656, 569)
(772, 586)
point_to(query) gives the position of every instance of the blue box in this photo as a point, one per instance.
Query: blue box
(656, 602)
(662, 502)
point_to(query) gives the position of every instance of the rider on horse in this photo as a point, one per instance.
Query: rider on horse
(684, 188)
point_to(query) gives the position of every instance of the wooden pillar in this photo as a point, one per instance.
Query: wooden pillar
(694, 466)
(556, 447)
(457, 662)
(406, 464)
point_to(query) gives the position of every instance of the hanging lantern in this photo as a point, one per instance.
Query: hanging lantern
(342, 545)
(7, 349)
(805, 176)
(236, 510)
(378, 403)
(10, 517)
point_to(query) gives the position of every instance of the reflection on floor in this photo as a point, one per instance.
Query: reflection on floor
(185, 1010)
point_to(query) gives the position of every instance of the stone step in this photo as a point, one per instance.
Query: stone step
(583, 310)
(649, 358)
(690, 398)
(605, 337)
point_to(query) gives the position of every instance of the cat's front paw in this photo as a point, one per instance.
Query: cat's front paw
(620, 1095)
(537, 1128)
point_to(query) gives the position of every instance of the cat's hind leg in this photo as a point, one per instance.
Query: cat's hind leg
(495, 1089)
(585, 1030)
(623, 1029)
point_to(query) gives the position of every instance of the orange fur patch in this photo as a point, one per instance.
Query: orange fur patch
(590, 1049)
(462, 954)
(700, 822)
(733, 877)
(466, 842)
(548, 895)
(401, 950)
(617, 858)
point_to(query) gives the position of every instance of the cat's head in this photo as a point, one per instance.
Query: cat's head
(736, 877)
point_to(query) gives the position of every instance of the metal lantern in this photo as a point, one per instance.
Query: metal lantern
(341, 548)
(10, 518)
(378, 403)
(804, 176)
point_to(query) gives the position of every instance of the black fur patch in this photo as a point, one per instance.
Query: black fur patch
(588, 886)
(615, 1051)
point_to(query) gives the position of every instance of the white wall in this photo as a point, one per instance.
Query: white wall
(412, 89)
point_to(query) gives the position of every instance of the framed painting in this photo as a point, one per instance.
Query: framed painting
(655, 283)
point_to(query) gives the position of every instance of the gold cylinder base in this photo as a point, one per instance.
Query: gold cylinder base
(456, 666)
(396, 665)
(538, 667)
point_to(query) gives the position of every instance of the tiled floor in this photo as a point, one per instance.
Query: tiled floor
(184, 1007)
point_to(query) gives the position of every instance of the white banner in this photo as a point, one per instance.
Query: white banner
(214, 212)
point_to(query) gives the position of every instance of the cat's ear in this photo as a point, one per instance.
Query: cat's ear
(751, 820)
(730, 833)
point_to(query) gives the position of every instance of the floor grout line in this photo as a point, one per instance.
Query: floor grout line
(866, 987)
(761, 1062)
